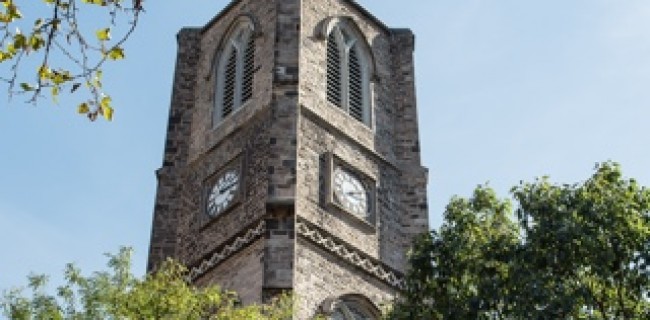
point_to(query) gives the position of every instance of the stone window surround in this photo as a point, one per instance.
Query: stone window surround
(344, 24)
(244, 27)
(348, 306)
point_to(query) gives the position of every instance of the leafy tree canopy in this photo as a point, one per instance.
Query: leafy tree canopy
(62, 45)
(578, 251)
(118, 294)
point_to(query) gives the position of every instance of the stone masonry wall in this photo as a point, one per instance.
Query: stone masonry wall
(207, 136)
(279, 250)
(196, 151)
(242, 140)
(319, 276)
(373, 151)
(166, 212)
(282, 158)
(247, 149)
(313, 75)
(413, 178)
(259, 138)
(281, 141)
(281, 165)
(242, 273)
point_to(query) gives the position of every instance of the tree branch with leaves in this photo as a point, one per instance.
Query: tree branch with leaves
(565, 251)
(65, 44)
(118, 294)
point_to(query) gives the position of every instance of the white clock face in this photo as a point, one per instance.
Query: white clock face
(223, 192)
(350, 193)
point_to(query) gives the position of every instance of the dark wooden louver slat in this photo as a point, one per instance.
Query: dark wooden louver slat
(333, 71)
(230, 76)
(249, 68)
(355, 83)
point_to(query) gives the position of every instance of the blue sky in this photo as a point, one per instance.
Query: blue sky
(507, 91)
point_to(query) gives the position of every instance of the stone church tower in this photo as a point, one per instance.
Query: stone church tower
(292, 158)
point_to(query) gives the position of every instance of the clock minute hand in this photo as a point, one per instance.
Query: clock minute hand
(226, 188)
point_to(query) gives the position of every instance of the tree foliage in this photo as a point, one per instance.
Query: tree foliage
(118, 294)
(63, 45)
(579, 251)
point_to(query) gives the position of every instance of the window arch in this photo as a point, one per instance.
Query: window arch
(234, 70)
(349, 67)
(351, 307)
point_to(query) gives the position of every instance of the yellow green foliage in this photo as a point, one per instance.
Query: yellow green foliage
(67, 55)
(118, 294)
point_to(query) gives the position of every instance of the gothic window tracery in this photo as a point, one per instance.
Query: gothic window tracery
(235, 70)
(348, 72)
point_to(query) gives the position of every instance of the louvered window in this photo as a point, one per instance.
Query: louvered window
(235, 72)
(347, 74)
(333, 71)
(355, 85)
(229, 82)
(249, 64)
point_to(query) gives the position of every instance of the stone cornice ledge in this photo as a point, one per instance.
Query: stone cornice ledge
(349, 254)
(237, 244)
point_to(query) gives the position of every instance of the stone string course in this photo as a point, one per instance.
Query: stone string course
(228, 250)
(312, 233)
(349, 254)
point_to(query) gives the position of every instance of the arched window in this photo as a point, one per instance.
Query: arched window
(234, 70)
(351, 307)
(348, 71)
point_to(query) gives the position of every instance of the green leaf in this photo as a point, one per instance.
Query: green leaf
(97, 2)
(11, 49)
(59, 77)
(83, 108)
(26, 87)
(106, 109)
(103, 34)
(20, 42)
(116, 53)
(105, 102)
(55, 93)
(44, 72)
(571, 249)
(36, 42)
(107, 112)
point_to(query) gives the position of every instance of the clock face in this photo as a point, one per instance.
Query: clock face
(350, 192)
(223, 192)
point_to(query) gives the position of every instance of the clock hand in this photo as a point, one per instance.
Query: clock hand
(226, 188)
(353, 193)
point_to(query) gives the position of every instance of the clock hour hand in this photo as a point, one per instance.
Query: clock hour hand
(356, 194)
(226, 188)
